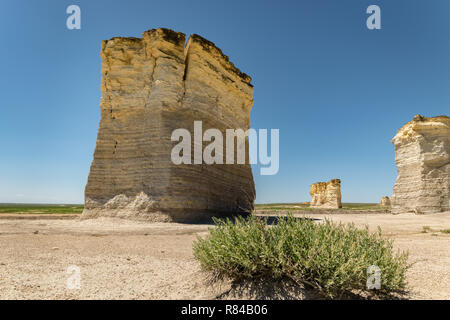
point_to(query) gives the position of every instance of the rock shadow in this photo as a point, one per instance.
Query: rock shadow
(287, 289)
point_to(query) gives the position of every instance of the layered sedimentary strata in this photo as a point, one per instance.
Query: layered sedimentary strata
(326, 194)
(422, 155)
(385, 201)
(150, 87)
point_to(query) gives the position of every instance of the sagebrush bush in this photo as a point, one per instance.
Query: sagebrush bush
(330, 257)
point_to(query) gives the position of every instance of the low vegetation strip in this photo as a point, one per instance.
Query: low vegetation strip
(332, 258)
(305, 207)
(40, 208)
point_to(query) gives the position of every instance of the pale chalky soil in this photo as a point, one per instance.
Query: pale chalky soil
(120, 259)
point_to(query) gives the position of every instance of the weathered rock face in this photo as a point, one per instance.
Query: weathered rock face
(385, 201)
(150, 87)
(422, 155)
(326, 194)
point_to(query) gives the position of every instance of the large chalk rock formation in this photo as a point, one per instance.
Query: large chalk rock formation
(422, 155)
(150, 87)
(326, 194)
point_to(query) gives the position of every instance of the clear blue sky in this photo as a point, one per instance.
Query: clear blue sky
(337, 91)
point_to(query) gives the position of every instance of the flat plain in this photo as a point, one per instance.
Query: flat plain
(121, 259)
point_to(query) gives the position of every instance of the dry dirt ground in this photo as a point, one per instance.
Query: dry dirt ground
(136, 260)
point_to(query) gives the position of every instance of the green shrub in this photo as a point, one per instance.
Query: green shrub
(330, 257)
(426, 229)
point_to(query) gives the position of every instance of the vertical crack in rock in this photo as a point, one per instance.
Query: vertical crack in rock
(326, 194)
(422, 156)
(156, 85)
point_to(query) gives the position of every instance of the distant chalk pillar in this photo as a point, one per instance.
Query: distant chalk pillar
(326, 194)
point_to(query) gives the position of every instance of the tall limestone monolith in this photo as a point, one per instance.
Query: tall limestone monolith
(422, 155)
(150, 87)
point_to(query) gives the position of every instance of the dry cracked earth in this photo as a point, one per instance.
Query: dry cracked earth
(136, 260)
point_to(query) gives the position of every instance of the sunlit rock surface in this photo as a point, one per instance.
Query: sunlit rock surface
(150, 87)
(422, 155)
(326, 194)
(385, 201)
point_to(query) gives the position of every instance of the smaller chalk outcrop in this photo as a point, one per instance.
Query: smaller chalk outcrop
(326, 194)
(385, 201)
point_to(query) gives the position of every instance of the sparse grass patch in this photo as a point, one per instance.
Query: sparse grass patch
(332, 258)
(446, 231)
